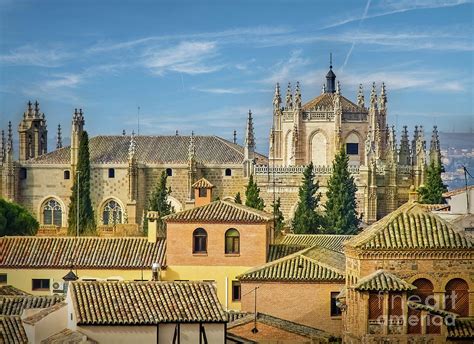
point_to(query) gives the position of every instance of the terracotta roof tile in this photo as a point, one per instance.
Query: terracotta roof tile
(331, 241)
(11, 290)
(68, 336)
(60, 252)
(463, 328)
(278, 251)
(220, 211)
(411, 227)
(154, 150)
(457, 191)
(382, 280)
(145, 303)
(202, 183)
(431, 309)
(33, 319)
(14, 305)
(326, 101)
(309, 265)
(12, 330)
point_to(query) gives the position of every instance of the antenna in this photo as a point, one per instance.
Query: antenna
(330, 60)
(466, 173)
(138, 120)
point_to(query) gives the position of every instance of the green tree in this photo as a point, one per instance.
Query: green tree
(307, 220)
(341, 208)
(252, 195)
(159, 202)
(279, 219)
(16, 220)
(237, 198)
(87, 225)
(432, 191)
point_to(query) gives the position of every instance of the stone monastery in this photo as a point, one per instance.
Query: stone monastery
(124, 170)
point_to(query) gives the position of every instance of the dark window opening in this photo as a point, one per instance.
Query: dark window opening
(67, 174)
(40, 284)
(200, 241)
(232, 241)
(228, 172)
(23, 173)
(236, 291)
(169, 172)
(375, 306)
(352, 148)
(202, 192)
(335, 310)
(111, 172)
(3, 279)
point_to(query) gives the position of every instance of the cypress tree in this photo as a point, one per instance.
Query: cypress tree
(432, 191)
(16, 220)
(307, 220)
(237, 198)
(341, 213)
(87, 225)
(159, 202)
(252, 195)
(279, 219)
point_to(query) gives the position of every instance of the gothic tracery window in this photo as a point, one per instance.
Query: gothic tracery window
(52, 213)
(112, 213)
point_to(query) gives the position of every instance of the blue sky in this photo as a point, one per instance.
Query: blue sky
(201, 65)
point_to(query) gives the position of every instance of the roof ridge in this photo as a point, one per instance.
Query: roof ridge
(323, 264)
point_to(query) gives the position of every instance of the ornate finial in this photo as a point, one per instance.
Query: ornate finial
(192, 147)
(330, 60)
(289, 98)
(132, 147)
(249, 135)
(297, 101)
(435, 147)
(37, 110)
(10, 137)
(338, 88)
(360, 96)
(234, 139)
(59, 140)
(323, 89)
(123, 132)
(277, 97)
(2, 146)
(176, 133)
(373, 96)
(383, 97)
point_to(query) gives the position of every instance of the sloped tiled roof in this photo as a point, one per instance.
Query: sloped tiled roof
(326, 101)
(145, 303)
(202, 183)
(15, 305)
(431, 309)
(410, 227)
(277, 251)
(220, 211)
(12, 330)
(382, 280)
(463, 328)
(154, 150)
(33, 319)
(331, 241)
(68, 336)
(457, 191)
(32, 252)
(309, 265)
(11, 290)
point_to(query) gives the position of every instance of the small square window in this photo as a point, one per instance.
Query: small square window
(228, 172)
(40, 284)
(352, 148)
(23, 173)
(111, 172)
(169, 172)
(235, 291)
(3, 279)
(67, 174)
(202, 192)
(335, 310)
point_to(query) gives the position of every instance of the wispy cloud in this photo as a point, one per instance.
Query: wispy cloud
(186, 57)
(29, 55)
(285, 70)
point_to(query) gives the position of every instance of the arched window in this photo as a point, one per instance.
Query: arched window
(52, 213)
(200, 240)
(457, 297)
(112, 213)
(228, 172)
(232, 241)
(424, 295)
(169, 172)
(319, 149)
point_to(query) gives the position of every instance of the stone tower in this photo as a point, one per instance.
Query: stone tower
(33, 133)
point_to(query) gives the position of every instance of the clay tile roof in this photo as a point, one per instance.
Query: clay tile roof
(309, 265)
(411, 226)
(33, 319)
(11, 290)
(463, 328)
(431, 309)
(202, 183)
(326, 101)
(68, 336)
(220, 211)
(457, 191)
(154, 150)
(331, 241)
(12, 330)
(15, 305)
(382, 280)
(278, 251)
(32, 252)
(145, 303)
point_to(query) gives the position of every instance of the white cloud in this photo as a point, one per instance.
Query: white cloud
(32, 56)
(186, 57)
(285, 70)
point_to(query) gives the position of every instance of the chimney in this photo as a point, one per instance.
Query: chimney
(155, 271)
(153, 218)
(413, 195)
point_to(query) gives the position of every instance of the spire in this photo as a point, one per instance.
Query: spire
(29, 111)
(289, 98)
(373, 96)
(360, 96)
(234, 138)
(404, 152)
(297, 96)
(277, 97)
(124, 132)
(132, 148)
(2, 147)
(191, 147)
(9, 148)
(330, 78)
(338, 88)
(383, 97)
(391, 140)
(435, 149)
(59, 140)
(413, 142)
(37, 110)
(323, 89)
(249, 135)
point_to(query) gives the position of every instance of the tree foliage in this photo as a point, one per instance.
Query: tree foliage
(279, 219)
(252, 195)
(341, 207)
(159, 202)
(432, 191)
(87, 224)
(16, 220)
(237, 198)
(307, 220)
